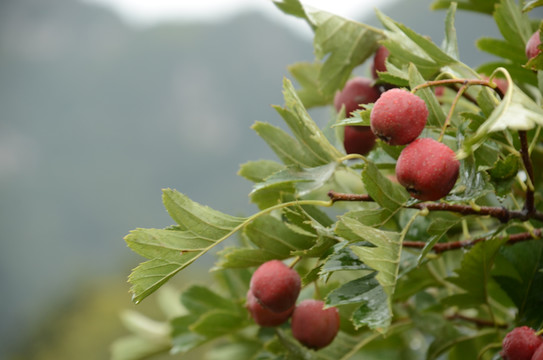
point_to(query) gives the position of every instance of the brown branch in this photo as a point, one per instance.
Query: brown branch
(500, 213)
(478, 322)
(455, 245)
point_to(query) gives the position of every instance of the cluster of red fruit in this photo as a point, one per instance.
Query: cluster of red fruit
(271, 301)
(427, 168)
(522, 343)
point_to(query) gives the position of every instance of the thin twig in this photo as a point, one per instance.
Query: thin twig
(455, 245)
(478, 322)
(500, 213)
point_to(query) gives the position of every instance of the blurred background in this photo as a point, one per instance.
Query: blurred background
(103, 104)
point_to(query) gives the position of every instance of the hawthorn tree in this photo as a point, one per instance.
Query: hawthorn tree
(410, 279)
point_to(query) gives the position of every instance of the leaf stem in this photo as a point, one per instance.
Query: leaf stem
(461, 91)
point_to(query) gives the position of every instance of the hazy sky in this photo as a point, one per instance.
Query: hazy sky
(145, 12)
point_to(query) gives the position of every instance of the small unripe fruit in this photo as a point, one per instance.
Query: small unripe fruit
(538, 355)
(379, 63)
(358, 139)
(532, 45)
(263, 316)
(275, 286)
(520, 344)
(398, 117)
(314, 326)
(428, 169)
(356, 91)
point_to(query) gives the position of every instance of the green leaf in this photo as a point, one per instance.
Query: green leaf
(517, 111)
(242, 349)
(384, 254)
(258, 171)
(291, 7)
(308, 134)
(406, 46)
(525, 289)
(345, 44)
(171, 251)
(530, 5)
(217, 323)
(514, 26)
(517, 71)
(450, 43)
(502, 49)
(342, 259)
(304, 180)
(199, 299)
(374, 311)
(307, 75)
(183, 339)
(273, 235)
(481, 6)
(389, 195)
(289, 151)
(436, 115)
(473, 276)
(437, 229)
(134, 347)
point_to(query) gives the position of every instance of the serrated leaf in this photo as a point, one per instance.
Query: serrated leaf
(258, 171)
(473, 276)
(526, 289)
(407, 46)
(345, 44)
(171, 251)
(291, 7)
(342, 259)
(450, 42)
(387, 194)
(436, 115)
(502, 49)
(273, 235)
(517, 111)
(304, 180)
(307, 75)
(374, 311)
(437, 229)
(309, 135)
(289, 151)
(514, 26)
(384, 254)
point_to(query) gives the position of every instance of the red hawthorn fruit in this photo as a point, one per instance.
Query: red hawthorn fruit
(379, 63)
(538, 355)
(532, 45)
(314, 326)
(263, 316)
(358, 139)
(398, 117)
(357, 91)
(275, 285)
(520, 344)
(428, 169)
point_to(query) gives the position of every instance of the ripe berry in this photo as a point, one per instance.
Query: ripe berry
(276, 286)
(532, 45)
(538, 355)
(398, 117)
(520, 344)
(314, 326)
(427, 169)
(358, 140)
(356, 91)
(379, 61)
(263, 316)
